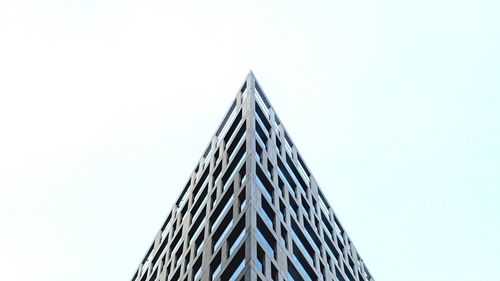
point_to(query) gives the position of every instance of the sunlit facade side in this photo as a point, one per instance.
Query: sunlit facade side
(251, 210)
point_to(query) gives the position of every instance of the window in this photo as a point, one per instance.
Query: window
(236, 237)
(184, 196)
(267, 213)
(219, 215)
(243, 174)
(270, 169)
(293, 274)
(243, 200)
(238, 270)
(295, 174)
(311, 235)
(222, 230)
(261, 259)
(306, 208)
(264, 184)
(197, 225)
(303, 169)
(292, 207)
(176, 274)
(339, 274)
(274, 273)
(222, 207)
(304, 266)
(302, 242)
(159, 251)
(278, 145)
(199, 243)
(197, 268)
(243, 91)
(216, 174)
(205, 155)
(338, 229)
(284, 236)
(233, 127)
(197, 205)
(289, 182)
(235, 266)
(258, 151)
(322, 204)
(176, 241)
(260, 94)
(232, 169)
(220, 237)
(230, 114)
(266, 237)
(201, 181)
(261, 104)
(237, 140)
(349, 274)
(153, 275)
(216, 155)
(261, 135)
(282, 212)
(288, 143)
(215, 267)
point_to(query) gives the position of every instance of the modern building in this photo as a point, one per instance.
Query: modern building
(251, 210)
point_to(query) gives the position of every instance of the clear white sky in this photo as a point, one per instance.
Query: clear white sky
(106, 105)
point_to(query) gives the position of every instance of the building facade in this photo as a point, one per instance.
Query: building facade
(251, 210)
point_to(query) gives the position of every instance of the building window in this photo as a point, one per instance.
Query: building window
(215, 267)
(235, 266)
(266, 237)
(236, 236)
(261, 259)
(197, 268)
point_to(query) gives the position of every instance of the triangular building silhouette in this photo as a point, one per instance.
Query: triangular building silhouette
(251, 210)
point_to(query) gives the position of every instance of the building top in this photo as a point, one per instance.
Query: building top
(251, 210)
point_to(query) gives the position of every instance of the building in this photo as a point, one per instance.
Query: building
(251, 210)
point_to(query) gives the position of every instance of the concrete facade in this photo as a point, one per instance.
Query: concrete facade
(251, 210)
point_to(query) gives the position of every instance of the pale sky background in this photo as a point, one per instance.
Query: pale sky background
(106, 105)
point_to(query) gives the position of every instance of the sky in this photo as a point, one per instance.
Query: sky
(105, 107)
